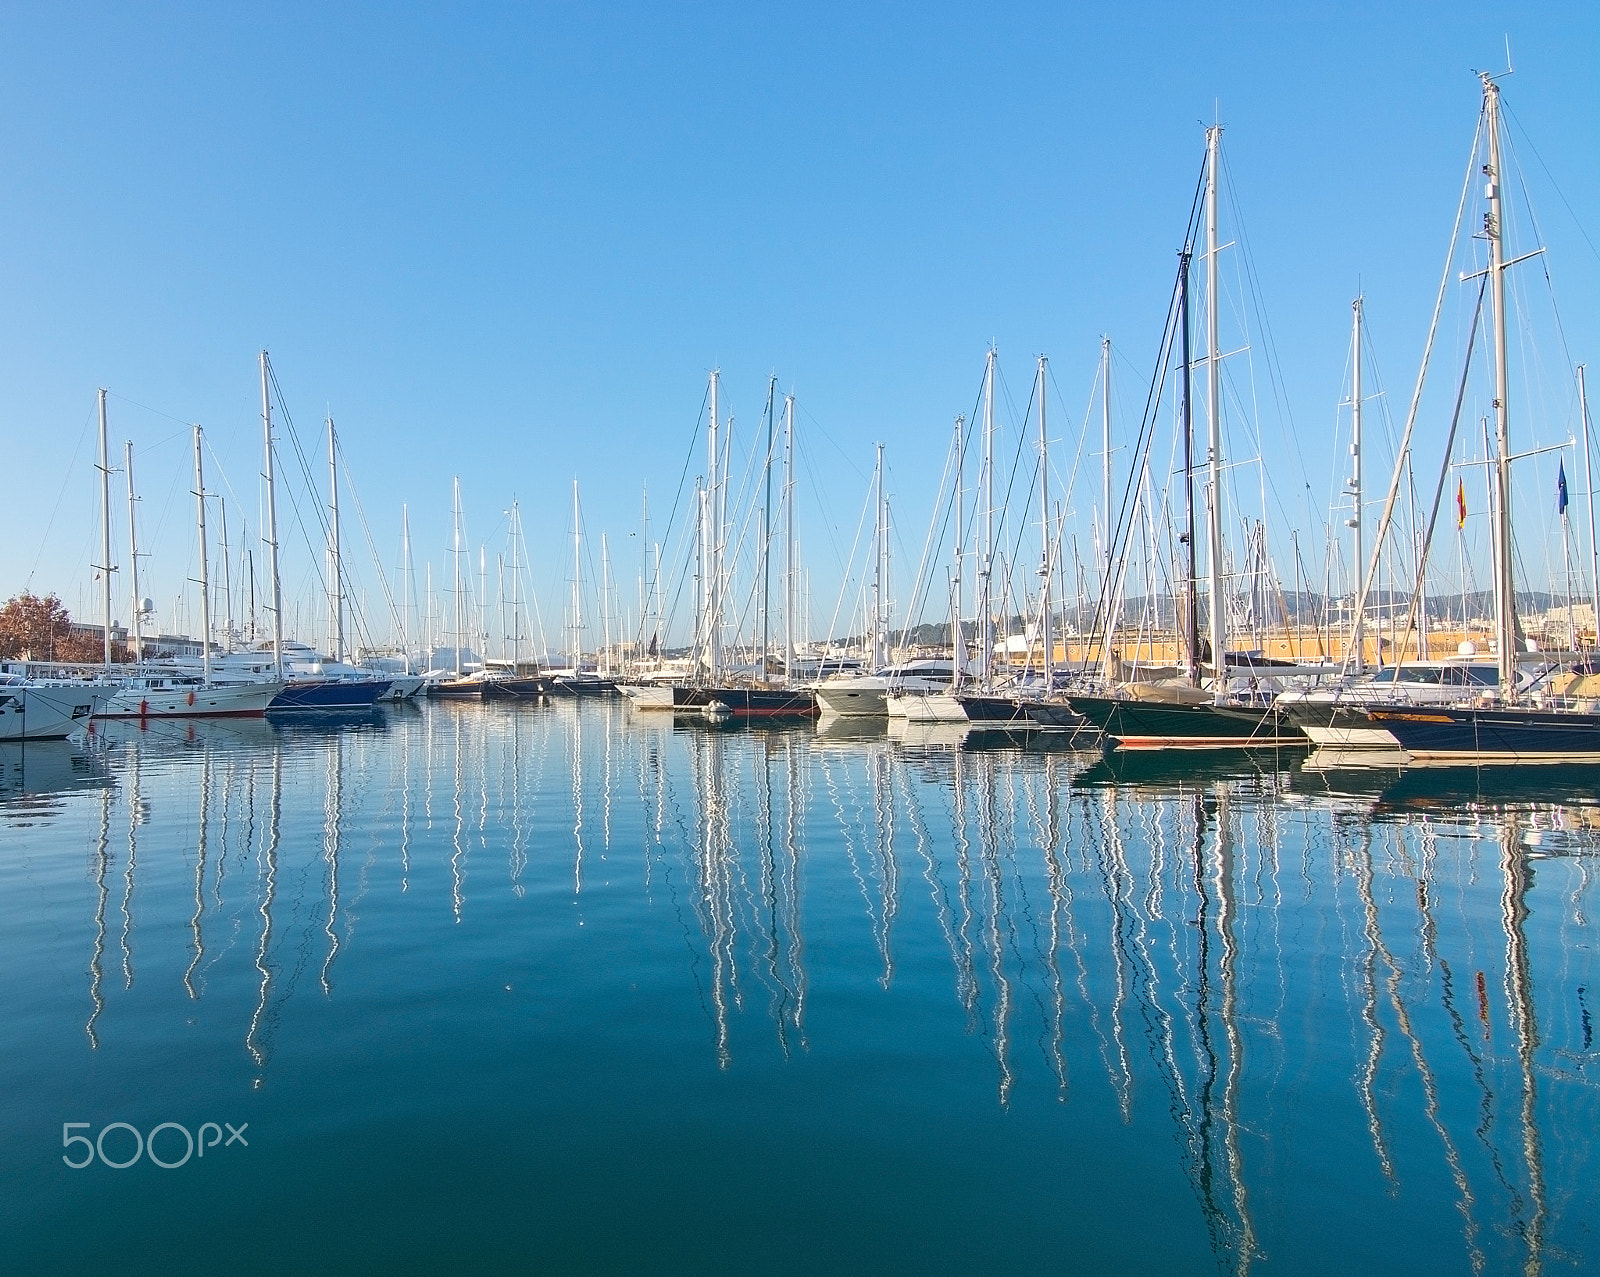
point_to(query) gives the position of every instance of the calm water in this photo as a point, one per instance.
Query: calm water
(570, 989)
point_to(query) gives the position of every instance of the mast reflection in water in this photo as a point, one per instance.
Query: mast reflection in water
(561, 986)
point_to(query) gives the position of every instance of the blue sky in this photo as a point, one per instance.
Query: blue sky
(508, 242)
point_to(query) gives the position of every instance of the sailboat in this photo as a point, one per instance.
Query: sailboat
(576, 680)
(152, 691)
(1510, 730)
(1189, 716)
(711, 691)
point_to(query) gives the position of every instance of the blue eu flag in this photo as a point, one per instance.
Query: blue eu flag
(1561, 488)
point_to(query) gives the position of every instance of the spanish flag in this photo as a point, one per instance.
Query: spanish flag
(1461, 504)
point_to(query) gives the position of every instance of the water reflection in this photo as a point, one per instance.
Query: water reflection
(1390, 973)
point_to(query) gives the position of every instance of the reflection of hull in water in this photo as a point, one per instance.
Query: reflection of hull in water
(747, 702)
(1392, 786)
(30, 769)
(1175, 770)
(847, 729)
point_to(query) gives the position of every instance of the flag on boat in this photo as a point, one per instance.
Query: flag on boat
(1461, 503)
(1561, 487)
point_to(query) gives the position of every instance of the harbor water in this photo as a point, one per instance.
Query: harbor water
(568, 988)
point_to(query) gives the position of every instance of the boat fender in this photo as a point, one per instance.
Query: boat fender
(191, 698)
(144, 708)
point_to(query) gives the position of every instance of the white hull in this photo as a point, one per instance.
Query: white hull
(195, 701)
(47, 711)
(927, 707)
(651, 696)
(402, 687)
(1350, 737)
(853, 698)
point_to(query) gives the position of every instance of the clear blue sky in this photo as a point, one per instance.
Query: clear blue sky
(508, 241)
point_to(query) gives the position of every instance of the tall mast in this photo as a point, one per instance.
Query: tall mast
(1191, 611)
(958, 642)
(876, 622)
(788, 538)
(407, 585)
(1494, 230)
(1357, 516)
(335, 581)
(577, 584)
(205, 578)
(272, 523)
(712, 585)
(605, 603)
(986, 563)
(481, 635)
(133, 557)
(227, 572)
(1214, 412)
(1044, 527)
(455, 561)
(1105, 471)
(516, 584)
(104, 566)
(1588, 485)
(766, 536)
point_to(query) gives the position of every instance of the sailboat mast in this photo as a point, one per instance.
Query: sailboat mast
(605, 603)
(788, 538)
(878, 535)
(1191, 613)
(1356, 516)
(1494, 228)
(577, 584)
(133, 553)
(1044, 529)
(766, 537)
(455, 562)
(1214, 411)
(335, 584)
(516, 587)
(986, 564)
(104, 566)
(1105, 472)
(1588, 484)
(712, 585)
(205, 577)
(272, 522)
(958, 645)
(407, 584)
(227, 572)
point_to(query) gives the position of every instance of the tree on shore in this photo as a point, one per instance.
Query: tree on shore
(40, 629)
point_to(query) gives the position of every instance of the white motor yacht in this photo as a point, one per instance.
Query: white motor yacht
(37, 709)
(867, 695)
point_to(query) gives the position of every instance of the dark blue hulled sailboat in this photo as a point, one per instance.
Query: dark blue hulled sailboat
(1504, 731)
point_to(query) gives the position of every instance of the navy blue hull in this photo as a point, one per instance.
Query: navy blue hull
(1134, 724)
(331, 693)
(996, 711)
(748, 702)
(1446, 734)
